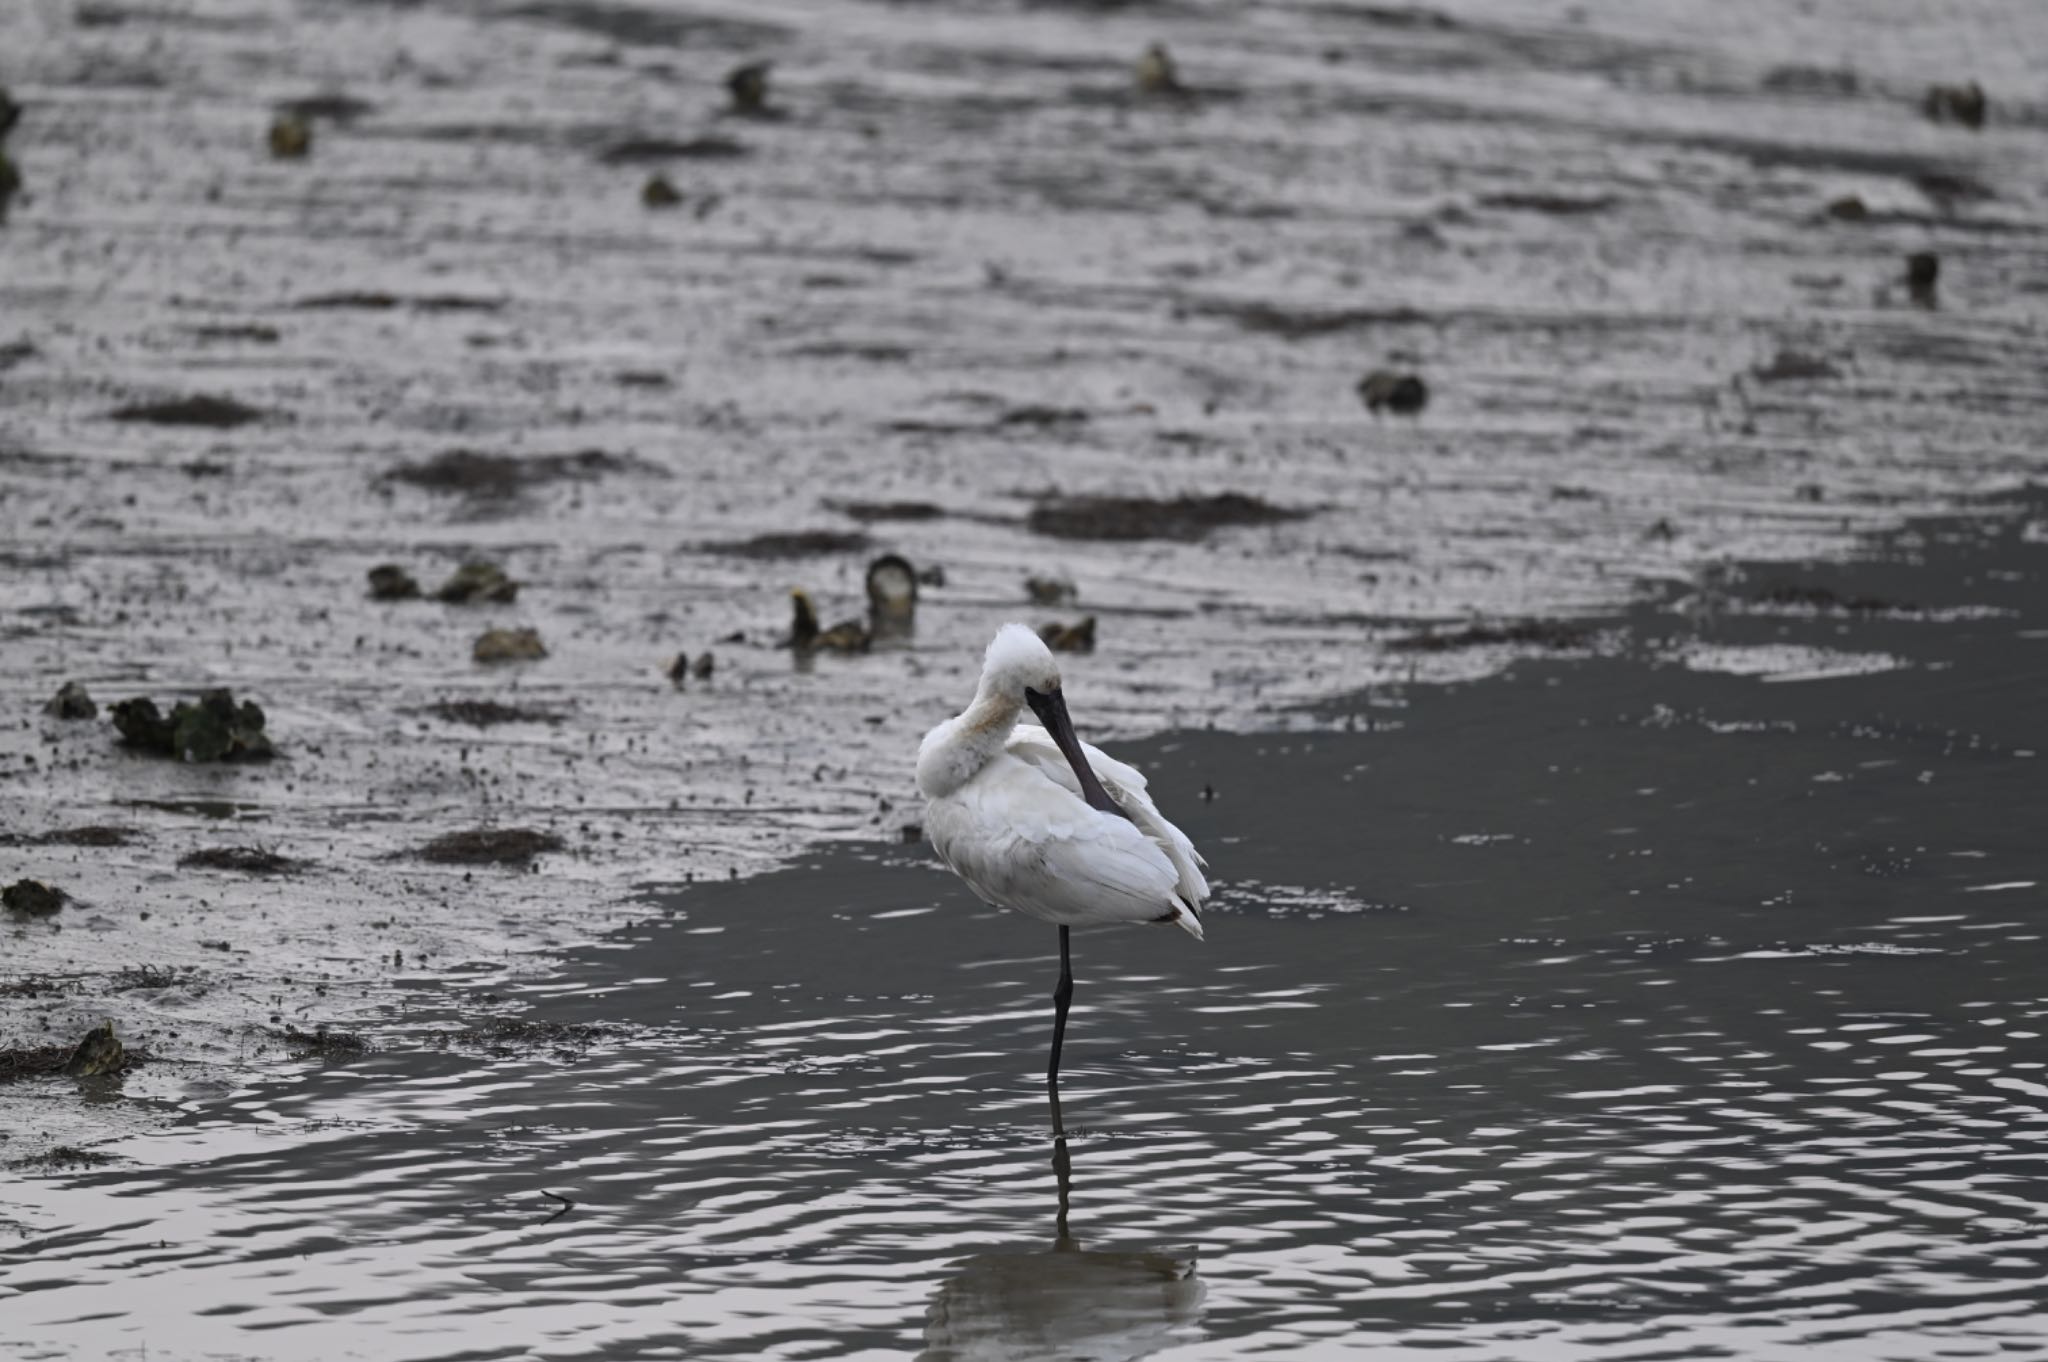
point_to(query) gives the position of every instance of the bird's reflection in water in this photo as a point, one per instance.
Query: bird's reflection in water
(1065, 1302)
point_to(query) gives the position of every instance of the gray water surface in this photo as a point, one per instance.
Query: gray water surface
(1617, 1009)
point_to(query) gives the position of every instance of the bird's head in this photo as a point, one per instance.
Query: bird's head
(1018, 666)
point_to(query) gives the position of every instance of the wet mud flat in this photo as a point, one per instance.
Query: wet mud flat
(1680, 991)
(963, 291)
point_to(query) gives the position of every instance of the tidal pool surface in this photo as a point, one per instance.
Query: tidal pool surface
(1614, 1009)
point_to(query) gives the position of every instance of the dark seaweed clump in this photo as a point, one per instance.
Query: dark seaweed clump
(243, 860)
(216, 413)
(213, 728)
(325, 1042)
(32, 897)
(507, 1033)
(797, 544)
(485, 713)
(470, 472)
(490, 846)
(1525, 633)
(1184, 518)
(870, 511)
(1792, 366)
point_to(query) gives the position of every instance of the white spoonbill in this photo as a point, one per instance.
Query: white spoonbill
(1036, 820)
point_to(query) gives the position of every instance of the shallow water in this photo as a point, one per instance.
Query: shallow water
(1616, 1009)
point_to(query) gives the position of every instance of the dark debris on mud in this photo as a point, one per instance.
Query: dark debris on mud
(1182, 518)
(98, 1054)
(64, 1157)
(867, 512)
(372, 301)
(1792, 595)
(795, 544)
(490, 846)
(656, 150)
(506, 1035)
(390, 582)
(72, 701)
(33, 897)
(214, 413)
(1553, 634)
(478, 583)
(91, 835)
(131, 978)
(473, 473)
(1794, 366)
(323, 1042)
(241, 860)
(487, 713)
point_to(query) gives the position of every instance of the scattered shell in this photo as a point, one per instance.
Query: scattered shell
(71, 701)
(848, 636)
(748, 87)
(509, 645)
(892, 588)
(1403, 393)
(478, 581)
(291, 137)
(1070, 638)
(1964, 104)
(658, 192)
(1050, 590)
(390, 582)
(1157, 75)
(99, 1053)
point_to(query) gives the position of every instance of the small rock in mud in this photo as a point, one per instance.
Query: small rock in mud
(1526, 633)
(1923, 272)
(796, 544)
(1848, 208)
(390, 582)
(242, 860)
(478, 582)
(1793, 366)
(805, 635)
(1964, 104)
(212, 728)
(101, 1052)
(1124, 518)
(486, 713)
(291, 137)
(638, 150)
(1050, 590)
(1157, 76)
(1385, 389)
(72, 701)
(703, 667)
(1070, 638)
(509, 645)
(870, 511)
(659, 192)
(216, 413)
(490, 846)
(473, 473)
(747, 88)
(324, 1042)
(32, 897)
(892, 589)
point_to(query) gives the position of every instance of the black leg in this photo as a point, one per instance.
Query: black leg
(1063, 1171)
(1061, 996)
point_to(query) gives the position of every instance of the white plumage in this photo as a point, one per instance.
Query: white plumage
(1010, 813)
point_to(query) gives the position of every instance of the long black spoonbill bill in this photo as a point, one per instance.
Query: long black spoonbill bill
(1036, 820)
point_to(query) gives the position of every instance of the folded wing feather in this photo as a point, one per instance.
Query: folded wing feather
(1126, 785)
